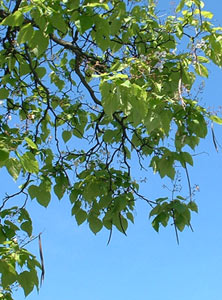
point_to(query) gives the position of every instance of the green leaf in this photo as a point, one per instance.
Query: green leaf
(180, 222)
(139, 106)
(66, 135)
(29, 163)
(4, 93)
(155, 211)
(40, 71)
(58, 22)
(198, 126)
(74, 4)
(39, 42)
(152, 121)
(160, 200)
(180, 6)
(61, 185)
(120, 222)
(179, 207)
(24, 68)
(76, 207)
(42, 193)
(130, 217)
(187, 158)
(43, 197)
(81, 216)
(31, 144)
(74, 195)
(216, 119)
(27, 227)
(192, 141)
(206, 14)
(201, 70)
(179, 29)
(13, 167)
(83, 23)
(110, 98)
(16, 19)
(95, 224)
(26, 282)
(120, 203)
(161, 218)
(115, 27)
(193, 206)
(9, 275)
(33, 191)
(181, 198)
(4, 154)
(126, 84)
(166, 117)
(25, 34)
(58, 190)
(203, 59)
(97, 4)
(39, 18)
(111, 136)
(57, 81)
(166, 168)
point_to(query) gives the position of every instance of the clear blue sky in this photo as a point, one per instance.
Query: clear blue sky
(144, 265)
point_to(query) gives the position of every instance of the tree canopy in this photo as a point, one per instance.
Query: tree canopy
(89, 88)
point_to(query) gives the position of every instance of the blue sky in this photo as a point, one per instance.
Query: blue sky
(144, 265)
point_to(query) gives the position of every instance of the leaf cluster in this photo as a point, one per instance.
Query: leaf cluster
(88, 90)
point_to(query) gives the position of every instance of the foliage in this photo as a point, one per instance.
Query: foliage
(85, 85)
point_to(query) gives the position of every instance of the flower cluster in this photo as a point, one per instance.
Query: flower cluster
(161, 56)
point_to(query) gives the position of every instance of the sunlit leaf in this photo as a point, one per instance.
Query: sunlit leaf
(31, 144)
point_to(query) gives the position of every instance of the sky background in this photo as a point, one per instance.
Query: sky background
(145, 265)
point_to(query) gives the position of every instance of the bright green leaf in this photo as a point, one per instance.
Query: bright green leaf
(13, 167)
(180, 6)
(31, 144)
(25, 33)
(216, 119)
(201, 70)
(16, 19)
(29, 162)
